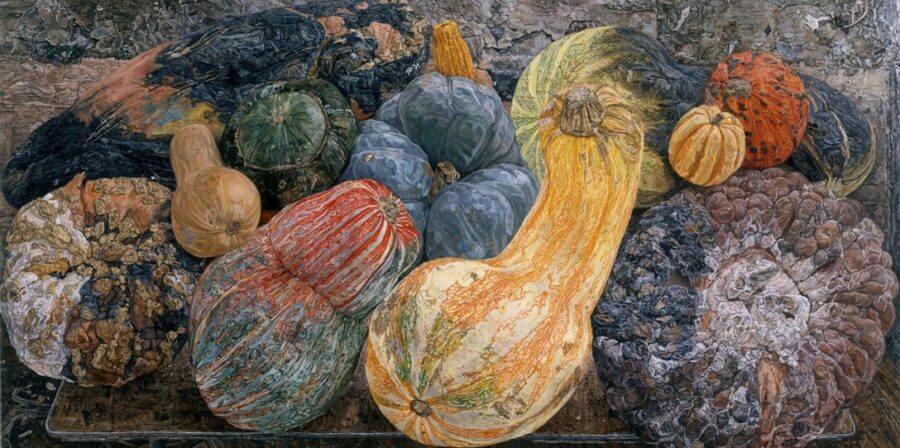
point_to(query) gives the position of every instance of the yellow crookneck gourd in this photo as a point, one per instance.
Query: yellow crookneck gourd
(471, 352)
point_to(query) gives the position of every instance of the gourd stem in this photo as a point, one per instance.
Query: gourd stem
(444, 174)
(449, 51)
(582, 112)
(388, 206)
(716, 119)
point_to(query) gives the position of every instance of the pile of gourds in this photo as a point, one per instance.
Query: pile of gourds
(335, 181)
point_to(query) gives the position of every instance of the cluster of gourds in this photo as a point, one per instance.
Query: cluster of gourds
(520, 214)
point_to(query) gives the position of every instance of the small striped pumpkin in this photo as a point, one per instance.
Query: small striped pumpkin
(279, 323)
(707, 146)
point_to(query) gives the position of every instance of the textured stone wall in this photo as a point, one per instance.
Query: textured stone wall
(851, 44)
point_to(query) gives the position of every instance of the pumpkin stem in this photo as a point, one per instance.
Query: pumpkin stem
(421, 408)
(450, 53)
(582, 112)
(444, 174)
(388, 206)
(716, 119)
(740, 88)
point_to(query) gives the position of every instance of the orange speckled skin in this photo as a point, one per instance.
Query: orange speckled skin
(471, 352)
(774, 110)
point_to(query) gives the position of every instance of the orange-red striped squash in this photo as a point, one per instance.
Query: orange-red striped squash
(769, 99)
(707, 146)
(278, 325)
(471, 353)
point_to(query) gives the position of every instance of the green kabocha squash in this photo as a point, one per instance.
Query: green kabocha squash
(291, 139)
(660, 89)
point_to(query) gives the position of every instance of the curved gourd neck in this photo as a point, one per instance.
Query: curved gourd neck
(193, 149)
(577, 222)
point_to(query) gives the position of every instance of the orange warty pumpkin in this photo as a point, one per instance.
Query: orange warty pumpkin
(707, 146)
(769, 99)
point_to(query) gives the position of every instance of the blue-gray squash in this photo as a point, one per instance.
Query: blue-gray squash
(447, 148)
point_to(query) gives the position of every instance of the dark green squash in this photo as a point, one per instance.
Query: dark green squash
(122, 125)
(291, 139)
(838, 148)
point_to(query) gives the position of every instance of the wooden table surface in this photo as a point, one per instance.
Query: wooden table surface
(167, 406)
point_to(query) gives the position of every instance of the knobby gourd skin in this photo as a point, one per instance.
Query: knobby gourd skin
(469, 353)
(278, 324)
(745, 314)
(214, 209)
(95, 290)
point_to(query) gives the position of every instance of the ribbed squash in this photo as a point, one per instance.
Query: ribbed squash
(472, 217)
(463, 130)
(291, 139)
(214, 209)
(277, 325)
(469, 353)
(769, 99)
(707, 146)
(660, 90)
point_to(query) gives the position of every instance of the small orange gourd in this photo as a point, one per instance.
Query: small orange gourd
(214, 209)
(476, 352)
(707, 146)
